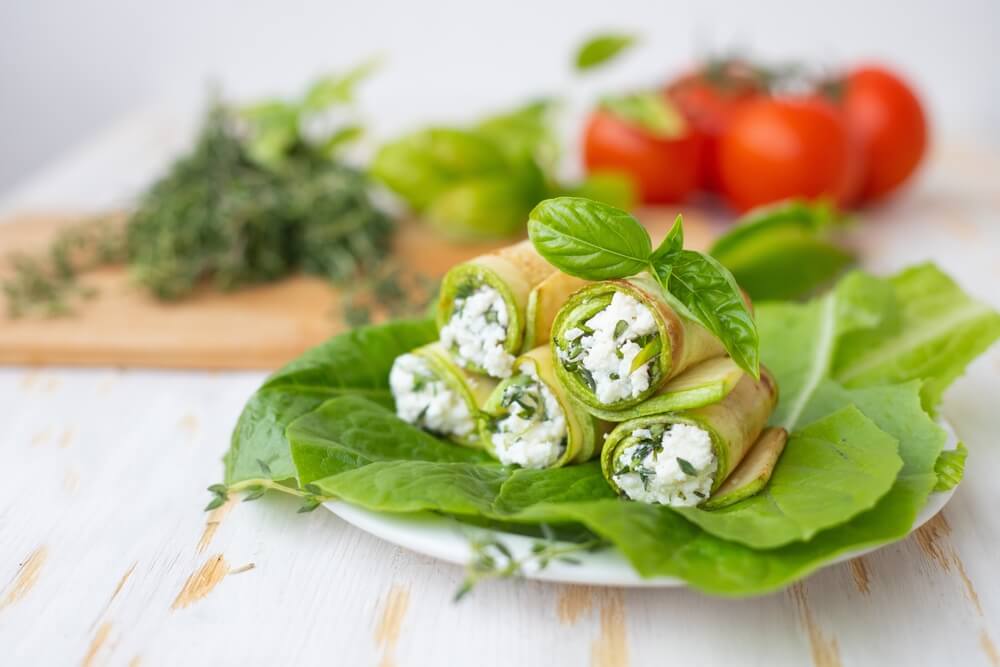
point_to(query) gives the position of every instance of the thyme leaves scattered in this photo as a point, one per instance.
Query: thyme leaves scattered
(492, 559)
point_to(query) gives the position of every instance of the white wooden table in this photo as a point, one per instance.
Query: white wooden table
(107, 559)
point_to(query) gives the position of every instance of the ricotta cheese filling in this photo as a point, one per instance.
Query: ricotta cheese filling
(477, 330)
(672, 465)
(605, 348)
(533, 432)
(425, 400)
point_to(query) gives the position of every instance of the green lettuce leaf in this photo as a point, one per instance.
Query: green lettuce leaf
(363, 432)
(832, 470)
(950, 468)
(854, 395)
(355, 363)
(656, 540)
(932, 334)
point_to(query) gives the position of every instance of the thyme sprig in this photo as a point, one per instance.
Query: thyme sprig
(492, 559)
(312, 496)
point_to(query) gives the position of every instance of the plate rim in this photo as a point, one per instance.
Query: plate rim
(446, 539)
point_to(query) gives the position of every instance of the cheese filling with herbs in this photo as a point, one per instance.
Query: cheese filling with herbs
(613, 350)
(477, 330)
(671, 464)
(425, 400)
(532, 433)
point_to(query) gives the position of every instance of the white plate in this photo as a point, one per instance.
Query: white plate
(444, 538)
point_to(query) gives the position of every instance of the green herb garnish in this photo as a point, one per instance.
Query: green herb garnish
(686, 467)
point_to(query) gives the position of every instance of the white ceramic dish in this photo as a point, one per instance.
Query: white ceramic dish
(443, 538)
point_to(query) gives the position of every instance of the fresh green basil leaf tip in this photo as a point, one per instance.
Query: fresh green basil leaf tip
(673, 242)
(601, 49)
(711, 294)
(589, 239)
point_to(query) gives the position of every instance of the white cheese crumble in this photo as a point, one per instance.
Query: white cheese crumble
(609, 351)
(477, 330)
(533, 434)
(658, 475)
(425, 400)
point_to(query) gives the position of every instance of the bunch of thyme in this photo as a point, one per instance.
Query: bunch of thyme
(254, 201)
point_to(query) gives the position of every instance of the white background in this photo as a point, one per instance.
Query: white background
(70, 67)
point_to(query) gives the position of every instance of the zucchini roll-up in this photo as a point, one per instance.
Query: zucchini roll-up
(434, 393)
(482, 311)
(681, 458)
(617, 342)
(530, 420)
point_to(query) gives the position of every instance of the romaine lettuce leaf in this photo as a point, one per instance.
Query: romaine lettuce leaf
(932, 334)
(657, 541)
(833, 469)
(858, 363)
(950, 468)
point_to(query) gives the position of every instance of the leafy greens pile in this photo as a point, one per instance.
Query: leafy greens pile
(481, 181)
(861, 371)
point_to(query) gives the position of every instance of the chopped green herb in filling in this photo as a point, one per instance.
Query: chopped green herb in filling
(667, 464)
(476, 332)
(611, 351)
(531, 431)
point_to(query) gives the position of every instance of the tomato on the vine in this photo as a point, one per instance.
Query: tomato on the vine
(781, 147)
(709, 97)
(663, 166)
(891, 126)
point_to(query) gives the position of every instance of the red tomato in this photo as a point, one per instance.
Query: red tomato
(664, 170)
(890, 124)
(778, 148)
(708, 98)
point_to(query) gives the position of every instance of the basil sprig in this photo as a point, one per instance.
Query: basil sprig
(601, 49)
(595, 241)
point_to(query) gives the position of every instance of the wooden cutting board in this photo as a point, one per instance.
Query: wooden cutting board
(256, 328)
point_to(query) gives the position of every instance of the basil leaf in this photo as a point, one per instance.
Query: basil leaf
(337, 89)
(588, 239)
(710, 293)
(602, 48)
(673, 242)
(648, 111)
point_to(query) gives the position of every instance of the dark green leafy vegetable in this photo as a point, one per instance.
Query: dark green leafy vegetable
(355, 363)
(601, 49)
(359, 451)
